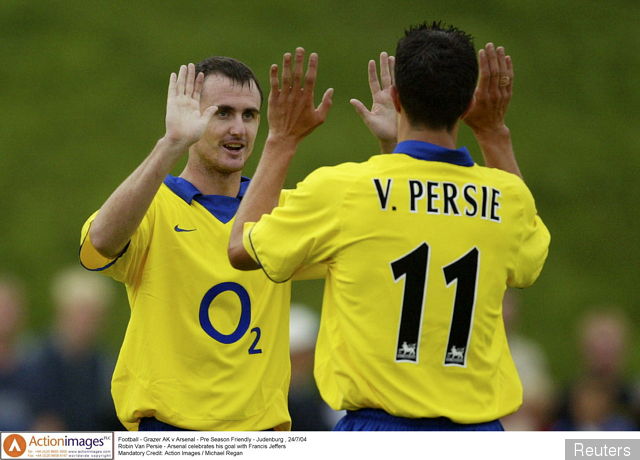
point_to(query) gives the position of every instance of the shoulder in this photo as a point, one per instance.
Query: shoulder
(507, 182)
(336, 172)
(341, 175)
(164, 194)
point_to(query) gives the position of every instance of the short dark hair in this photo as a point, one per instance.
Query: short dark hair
(436, 72)
(230, 68)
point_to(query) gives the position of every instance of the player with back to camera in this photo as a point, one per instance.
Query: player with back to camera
(206, 347)
(420, 244)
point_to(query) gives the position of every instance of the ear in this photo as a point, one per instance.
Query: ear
(395, 97)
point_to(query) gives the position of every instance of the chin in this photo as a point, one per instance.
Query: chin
(230, 167)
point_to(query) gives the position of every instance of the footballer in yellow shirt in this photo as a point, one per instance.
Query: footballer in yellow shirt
(207, 345)
(420, 244)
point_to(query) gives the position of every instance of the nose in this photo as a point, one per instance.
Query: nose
(237, 127)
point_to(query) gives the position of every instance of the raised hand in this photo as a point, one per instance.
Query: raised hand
(381, 119)
(489, 107)
(493, 93)
(292, 114)
(185, 123)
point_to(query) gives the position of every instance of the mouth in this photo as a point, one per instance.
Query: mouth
(234, 146)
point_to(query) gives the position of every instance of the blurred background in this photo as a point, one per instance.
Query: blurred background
(83, 87)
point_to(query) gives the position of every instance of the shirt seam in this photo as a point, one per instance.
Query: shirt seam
(260, 264)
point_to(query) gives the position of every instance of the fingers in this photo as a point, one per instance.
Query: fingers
(505, 79)
(502, 63)
(273, 79)
(209, 112)
(494, 69)
(292, 81)
(509, 73)
(186, 82)
(392, 69)
(385, 71)
(387, 77)
(298, 65)
(312, 72)
(292, 71)
(189, 84)
(180, 82)
(485, 72)
(197, 90)
(509, 66)
(325, 105)
(292, 113)
(286, 71)
(172, 85)
(292, 78)
(374, 84)
(361, 109)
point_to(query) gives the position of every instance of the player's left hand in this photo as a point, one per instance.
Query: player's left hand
(493, 93)
(291, 113)
(382, 118)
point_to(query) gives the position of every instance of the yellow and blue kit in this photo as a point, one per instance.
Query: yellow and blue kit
(206, 347)
(420, 246)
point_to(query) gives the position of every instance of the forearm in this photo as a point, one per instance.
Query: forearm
(292, 116)
(123, 211)
(262, 195)
(497, 149)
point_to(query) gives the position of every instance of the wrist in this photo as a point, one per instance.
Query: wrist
(173, 144)
(498, 133)
(282, 146)
(168, 151)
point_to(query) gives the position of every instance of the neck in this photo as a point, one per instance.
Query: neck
(212, 181)
(441, 137)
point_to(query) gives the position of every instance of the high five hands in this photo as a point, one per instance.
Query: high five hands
(381, 119)
(493, 92)
(292, 114)
(185, 122)
(485, 114)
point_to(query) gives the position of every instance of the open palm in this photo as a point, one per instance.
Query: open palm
(185, 123)
(381, 119)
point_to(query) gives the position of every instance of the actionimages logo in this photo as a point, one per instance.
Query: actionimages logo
(25, 446)
(14, 445)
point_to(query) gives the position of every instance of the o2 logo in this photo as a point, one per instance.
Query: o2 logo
(245, 316)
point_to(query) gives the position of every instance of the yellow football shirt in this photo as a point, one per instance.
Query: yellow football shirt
(420, 248)
(206, 347)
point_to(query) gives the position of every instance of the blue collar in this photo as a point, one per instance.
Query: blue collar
(221, 207)
(431, 152)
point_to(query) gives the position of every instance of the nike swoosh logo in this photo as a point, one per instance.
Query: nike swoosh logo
(178, 229)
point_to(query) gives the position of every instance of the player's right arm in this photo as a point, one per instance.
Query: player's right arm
(123, 211)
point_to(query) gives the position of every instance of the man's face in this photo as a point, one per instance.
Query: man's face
(228, 140)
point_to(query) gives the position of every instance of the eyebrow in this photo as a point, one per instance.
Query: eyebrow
(228, 108)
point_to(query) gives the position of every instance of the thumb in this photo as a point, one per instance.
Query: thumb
(360, 108)
(325, 104)
(209, 111)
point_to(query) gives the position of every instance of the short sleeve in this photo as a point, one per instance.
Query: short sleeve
(533, 246)
(301, 235)
(127, 264)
